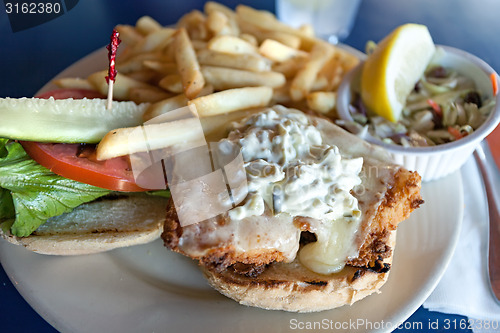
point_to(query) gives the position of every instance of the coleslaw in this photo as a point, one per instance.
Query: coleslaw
(443, 107)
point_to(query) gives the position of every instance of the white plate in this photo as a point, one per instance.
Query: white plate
(149, 289)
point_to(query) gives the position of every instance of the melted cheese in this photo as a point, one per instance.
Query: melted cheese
(249, 235)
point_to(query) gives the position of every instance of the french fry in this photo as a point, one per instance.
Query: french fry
(232, 100)
(125, 141)
(172, 103)
(250, 39)
(195, 24)
(189, 69)
(283, 37)
(289, 68)
(227, 78)
(334, 83)
(281, 95)
(155, 41)
(169, 51)
(266, 21)
(231, 44)
(302, 83)
(217, 22)
(164, 106)
(251, 29)
(199, 44)
(320, 83)
(307, 30)
(192, 18)
(146, 25)
(251, 62)
(184, 133)
(251, 14)
(214, 127)
(136, 62)
(207, 90)
(172, 83)
(211, 6)
(278, 52)
(332, 71)
(145, 75)
(74, 83)
(348, 61)
(322, 101)
(162, 67)
(122, 85)
(128, 34)
(146, 95)
(125, 53)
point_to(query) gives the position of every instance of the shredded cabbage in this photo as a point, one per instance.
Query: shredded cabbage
(443, 107)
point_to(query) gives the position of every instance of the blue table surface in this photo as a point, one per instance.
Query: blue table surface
(30, 58)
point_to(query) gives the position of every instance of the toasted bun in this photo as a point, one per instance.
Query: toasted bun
(98, 226)
(292, 287)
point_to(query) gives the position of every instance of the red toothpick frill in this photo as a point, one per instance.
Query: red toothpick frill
(112, 48)
(110, 79)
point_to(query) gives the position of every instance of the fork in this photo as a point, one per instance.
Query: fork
(491, 179)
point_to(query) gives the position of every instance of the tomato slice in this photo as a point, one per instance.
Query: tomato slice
(71, 93)
(77, 161)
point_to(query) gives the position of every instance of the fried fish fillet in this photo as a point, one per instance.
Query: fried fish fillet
(254, 260)
(213, 242)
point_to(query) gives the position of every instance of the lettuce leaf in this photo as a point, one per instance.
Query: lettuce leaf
(160, 193)
(7, 210)
(36, 193)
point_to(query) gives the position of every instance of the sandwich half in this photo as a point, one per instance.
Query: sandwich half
(55, 196)
(113, 221)
(317, 227)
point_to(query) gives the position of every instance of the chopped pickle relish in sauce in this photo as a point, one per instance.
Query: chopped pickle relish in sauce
(303, 173)
(292, 172)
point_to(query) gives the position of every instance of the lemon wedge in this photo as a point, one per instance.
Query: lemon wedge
(392, 70)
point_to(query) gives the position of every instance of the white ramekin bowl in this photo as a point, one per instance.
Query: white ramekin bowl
(437, 161)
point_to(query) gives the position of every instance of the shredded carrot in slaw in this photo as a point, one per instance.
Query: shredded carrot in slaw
(494, 83)
(435, 106)
(456, 133)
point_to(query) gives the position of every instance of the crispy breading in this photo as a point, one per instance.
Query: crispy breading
(401, 198)
(218, 256)
(399, 201)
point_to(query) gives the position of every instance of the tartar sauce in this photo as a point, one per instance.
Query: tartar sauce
(291, 170)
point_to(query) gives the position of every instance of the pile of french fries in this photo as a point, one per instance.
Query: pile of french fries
(222, 61)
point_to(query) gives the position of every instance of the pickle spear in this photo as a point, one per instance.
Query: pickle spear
(65, 120)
